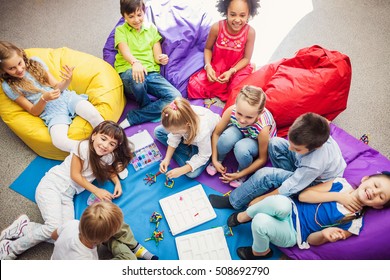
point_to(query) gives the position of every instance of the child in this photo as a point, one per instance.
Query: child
(195, 125)
(227, 52)
(100, 222)
(309, 156)
(318, 215)
(28, 82)
(246, 127)
(100, 157)
(138, 64)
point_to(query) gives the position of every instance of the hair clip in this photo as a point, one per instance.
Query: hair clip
(166, 114)
(173, 105)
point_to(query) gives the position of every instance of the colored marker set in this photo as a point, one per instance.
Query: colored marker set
(145, 150)
(145, 156)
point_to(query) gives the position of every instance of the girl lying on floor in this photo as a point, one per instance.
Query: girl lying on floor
(328, 212)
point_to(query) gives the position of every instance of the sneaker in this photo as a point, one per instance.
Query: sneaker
(123, 174)
(5, 253)
(15, 230)
(237, 183)
(210, 169)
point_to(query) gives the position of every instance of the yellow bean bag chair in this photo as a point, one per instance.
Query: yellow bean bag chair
(92, 76)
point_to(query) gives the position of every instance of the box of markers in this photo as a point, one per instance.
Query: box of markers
(145, 150)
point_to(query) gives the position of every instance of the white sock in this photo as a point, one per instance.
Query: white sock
(142, 253)
(124, 124)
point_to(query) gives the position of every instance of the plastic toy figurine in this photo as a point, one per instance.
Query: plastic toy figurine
(208, 104)
(155, 218)
(365, 138)
(151, 178)
(169, 183)
(157, 236)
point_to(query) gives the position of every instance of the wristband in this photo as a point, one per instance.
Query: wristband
(43, 99)
(205, 66)
(134, 62)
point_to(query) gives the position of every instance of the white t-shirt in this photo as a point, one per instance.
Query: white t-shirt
(207, 122)
(63, 170)
(68, 245)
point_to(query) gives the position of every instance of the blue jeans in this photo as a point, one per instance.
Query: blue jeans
(271, 222)
(182, 153)
(154, 84)
(245, 149)
(284, 164)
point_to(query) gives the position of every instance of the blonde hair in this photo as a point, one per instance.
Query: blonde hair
(100, 221)
(36, 69)
(179, 113)
(255, 96)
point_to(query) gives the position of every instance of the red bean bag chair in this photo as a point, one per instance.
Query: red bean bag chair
(314, 80)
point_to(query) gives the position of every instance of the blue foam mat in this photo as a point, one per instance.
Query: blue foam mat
(138, 202)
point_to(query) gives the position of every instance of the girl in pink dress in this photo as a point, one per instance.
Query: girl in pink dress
(228, 51)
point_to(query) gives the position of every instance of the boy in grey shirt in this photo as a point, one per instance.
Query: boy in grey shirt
(309, 156)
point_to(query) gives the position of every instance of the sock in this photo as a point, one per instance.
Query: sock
(142, 253)
(218, 201)
(124, 124)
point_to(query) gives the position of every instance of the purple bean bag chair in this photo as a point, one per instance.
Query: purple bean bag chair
(184, 28)
(373, 243)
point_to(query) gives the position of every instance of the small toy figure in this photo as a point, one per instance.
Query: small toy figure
(155, 218)
(208, 104)
(157, 236)
(227, 230)
(169, 183)
(365, 138)
(151, 178)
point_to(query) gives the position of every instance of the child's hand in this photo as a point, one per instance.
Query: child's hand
(350, 202)
(67, 73)
(174, 173)
(333, 234)
(228, 177)
(225, 77)
(139, 72)
(211, 74)
(52, 95)
(104, 195)
(219, 167)
(117, 190)
(163, 59)
(164, 166)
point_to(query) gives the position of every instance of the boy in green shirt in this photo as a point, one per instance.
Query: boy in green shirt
(138, 64)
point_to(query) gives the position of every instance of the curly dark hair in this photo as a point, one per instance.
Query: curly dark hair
(223, 5)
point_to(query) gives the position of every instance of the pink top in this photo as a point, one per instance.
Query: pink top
(228, 48)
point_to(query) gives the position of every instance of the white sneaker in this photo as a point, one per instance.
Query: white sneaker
(123, 174)
(5, 253)
(15, 230)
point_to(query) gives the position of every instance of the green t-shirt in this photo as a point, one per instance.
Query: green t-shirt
(140, 45)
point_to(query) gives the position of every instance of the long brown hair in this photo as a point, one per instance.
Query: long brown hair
(122, 153)
(179, 113)
(36, 69)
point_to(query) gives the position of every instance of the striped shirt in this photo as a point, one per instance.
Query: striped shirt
(252, 131)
